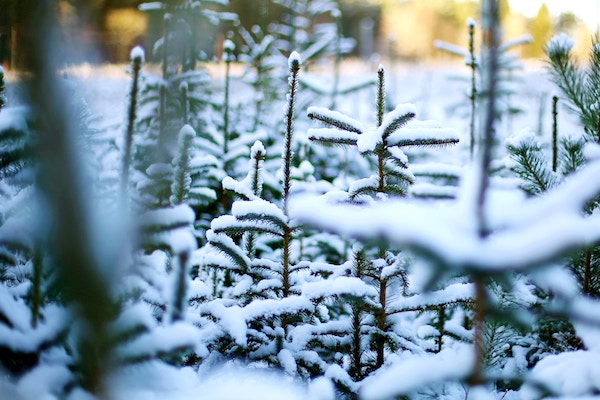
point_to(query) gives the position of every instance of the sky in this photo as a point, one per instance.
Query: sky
(587, 10)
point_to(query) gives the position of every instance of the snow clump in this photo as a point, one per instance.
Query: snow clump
(559, 44)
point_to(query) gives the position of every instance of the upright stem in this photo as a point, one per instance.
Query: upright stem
(357, 312)
(473, 96)
(598, 129)
(587, 272)
(289, 129)
(258, 99)
(441, 324)
(2, 89)
(338, 60)
(36, 285)
(162, 117)
(554, 133)
(194, 42)
(179, 186)
(136, 65)
(490, 27)
(479, 339)
(165, 52)
(162, 121)
(179, 294)
(381, 319)
(184, 103)
(380, 109)
(294, 64)
(257, 159)
(491, 33)
(226, 110)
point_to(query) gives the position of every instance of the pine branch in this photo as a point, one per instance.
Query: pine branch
(335, 119)
(396, 119)
(331, 136)
(530, 164)
(424, 142)
(571, 155)
(566, 74)
(233, 227)
(402, 174)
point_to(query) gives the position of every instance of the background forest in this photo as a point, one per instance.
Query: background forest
(273, 220)
(106, 30)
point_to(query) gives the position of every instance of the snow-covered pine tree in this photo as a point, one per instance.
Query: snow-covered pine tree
(259, 53)
(496, 244)
(541, 170)
(579, 85)
(180, 96)
(221, 145)
(269, 309)
(33, 322)
(137, 60)
(325, 41)
(182, 43)
(508, 63)
(370, 327)
(300, 29)
(394, 130)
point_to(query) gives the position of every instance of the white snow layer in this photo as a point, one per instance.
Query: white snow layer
(527, 234)
(137, 53)
(342, 285)
(573, 374)
(406, 376)
(294, 58)
(559, 44)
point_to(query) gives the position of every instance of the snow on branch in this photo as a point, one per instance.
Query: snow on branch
(451, 48)
(332, 136)
(228, 247)
(527, 235)
(423, 133)
(230, 225)
(259, 210)
(272, 307)
(340, 286)
(418, 372)
(455, 293)
(335, 119)
(523, 39)
(397, 118)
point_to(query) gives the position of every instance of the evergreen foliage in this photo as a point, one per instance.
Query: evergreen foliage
(508, 63)
(393, 132)
(260, 54)
(363, 268)
(579, 86)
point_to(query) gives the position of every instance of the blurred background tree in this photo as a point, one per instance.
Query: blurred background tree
(541, 31)
(108, 29)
